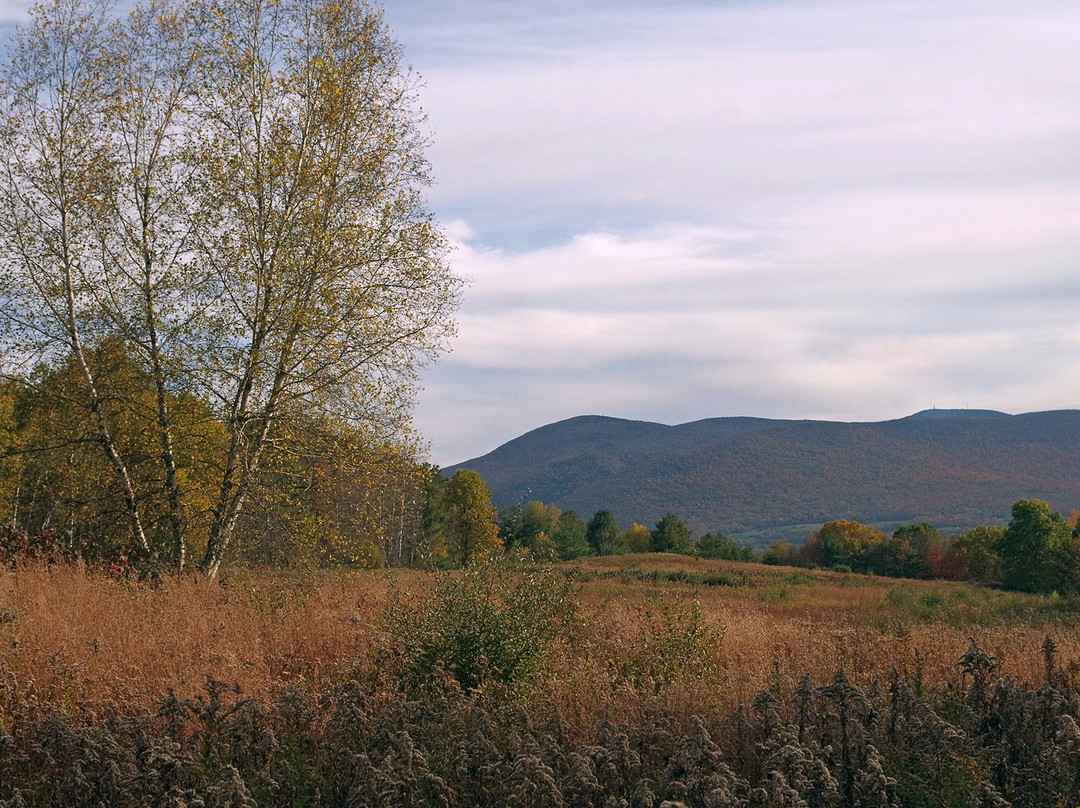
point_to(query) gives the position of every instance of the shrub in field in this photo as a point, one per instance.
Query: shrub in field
(667, 641)
(490, 624)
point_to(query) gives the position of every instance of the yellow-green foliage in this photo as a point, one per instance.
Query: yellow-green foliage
(668, 640)
(472, 534)
(227, 199)
(490, 624)
(637, 538)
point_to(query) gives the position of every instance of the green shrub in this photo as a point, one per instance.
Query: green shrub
(775, 594)
(799, 579)
(668, 642)
(489, 624)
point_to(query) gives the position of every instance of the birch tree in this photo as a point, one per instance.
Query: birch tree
(149, 294)
(56, 178)
(234, 191)
(331, 272)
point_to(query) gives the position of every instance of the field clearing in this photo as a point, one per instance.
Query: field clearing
(87, 644)
(782, 623)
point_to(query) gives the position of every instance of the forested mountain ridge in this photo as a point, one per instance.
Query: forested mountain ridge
(954, 468)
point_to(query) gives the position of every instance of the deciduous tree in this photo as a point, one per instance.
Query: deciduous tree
(523, 526)
(782, 553)
(328, 270)
(843, 541)
(637, 539)
(977, 553)
(909, 553)
(472, 534)
(233, 190)
(1035, 551)
(55, 182)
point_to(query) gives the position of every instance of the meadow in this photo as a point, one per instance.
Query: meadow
(829, 688)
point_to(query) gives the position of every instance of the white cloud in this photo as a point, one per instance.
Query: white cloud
(14, 10)
(830, 209)
(597, 263)
(688, 323)
(718, 111)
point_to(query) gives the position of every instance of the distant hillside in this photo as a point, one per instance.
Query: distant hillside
(763, 478)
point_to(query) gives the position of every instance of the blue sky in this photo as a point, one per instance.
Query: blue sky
(673, 210)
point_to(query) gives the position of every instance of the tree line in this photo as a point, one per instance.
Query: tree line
(465, 528)
(1038, 551)
(323, 495)
(327, 497)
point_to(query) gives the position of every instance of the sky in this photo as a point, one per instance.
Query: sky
(670, 210)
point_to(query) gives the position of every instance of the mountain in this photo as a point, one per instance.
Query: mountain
(759, 478)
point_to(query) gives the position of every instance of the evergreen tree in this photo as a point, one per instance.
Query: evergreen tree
(603, 534)
(672, 536)
(434, 516)
(717, 545)
(569, 538)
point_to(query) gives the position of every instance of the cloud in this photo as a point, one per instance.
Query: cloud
(686, 323)
(713, 113)
(828, 209)
(13, 11)
(831, 208)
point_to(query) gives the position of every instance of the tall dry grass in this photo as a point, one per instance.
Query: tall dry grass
(84, 642)
(77, 641)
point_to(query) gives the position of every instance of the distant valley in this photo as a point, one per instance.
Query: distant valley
(761, 479)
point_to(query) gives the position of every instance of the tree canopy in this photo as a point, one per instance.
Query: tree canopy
(603, 534)
(717, 545)
(672, 536)
(843, 542)
(1035, 551)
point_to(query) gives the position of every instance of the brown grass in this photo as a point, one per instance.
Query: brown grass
(83, 643)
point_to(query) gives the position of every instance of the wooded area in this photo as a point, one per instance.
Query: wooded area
(219, 279)
(1038, 551)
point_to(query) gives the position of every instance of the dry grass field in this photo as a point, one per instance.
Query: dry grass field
(613, 681)
(90, 645)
